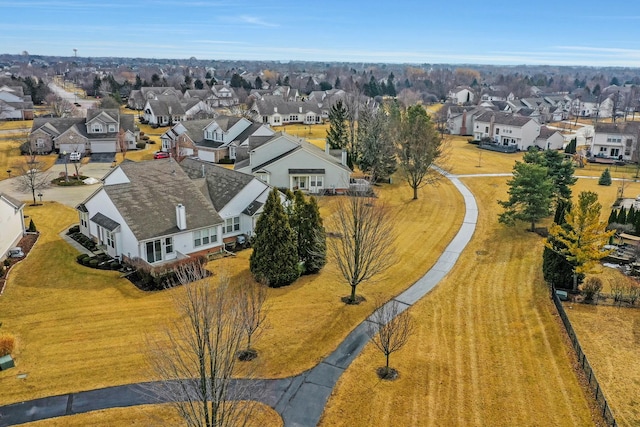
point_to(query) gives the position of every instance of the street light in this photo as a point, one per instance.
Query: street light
(66, 174)
(40, 196)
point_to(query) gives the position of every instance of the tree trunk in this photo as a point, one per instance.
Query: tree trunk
(415, 192)
(533, 226)
(387, 355)
(353, 293)
(575, 281)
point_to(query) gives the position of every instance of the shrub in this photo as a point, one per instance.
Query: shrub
(6, 263)
(141, 134)
(144, 137)
(93, 263)
(115, 265)
(74, 229)
(605, 178)
(81, 257)
(591, 288)
(226, 161)
(32, 227)
(7, 344)
(140, 145)
(617, 289)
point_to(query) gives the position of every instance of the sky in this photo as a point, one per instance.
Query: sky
(511, 32)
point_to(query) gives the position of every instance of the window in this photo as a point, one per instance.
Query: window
(205, 236)
(84, 219)
(110, 239)
(486, 129)
(232, 224)
(154, 251)
(264, 177)
(615, 152)
(96, 128)
(40, 143)
(603, 149)
(112, 128)
(497, 131)
(168, 245)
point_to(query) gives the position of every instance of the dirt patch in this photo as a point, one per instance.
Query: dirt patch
(26, 243)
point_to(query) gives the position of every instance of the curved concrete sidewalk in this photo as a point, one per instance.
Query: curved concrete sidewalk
(301, 399)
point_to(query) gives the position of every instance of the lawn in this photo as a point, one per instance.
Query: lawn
(610, 337)
(487, 350)
(315, 134)
(81, 329)
(146, 415)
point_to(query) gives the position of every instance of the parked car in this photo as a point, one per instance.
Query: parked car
(161, 155)
(75, 156)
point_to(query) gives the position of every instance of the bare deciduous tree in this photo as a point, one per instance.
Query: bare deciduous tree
(363, 247)
(59, 106)
(252, 297)
(31, 176)
(196, 357)
(389, 329)
(123, 144)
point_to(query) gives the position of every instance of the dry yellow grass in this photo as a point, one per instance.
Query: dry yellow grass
(18, 125)
(145, 415)
(487, 350)
(610, 337)
(95, 321)
(464, 158)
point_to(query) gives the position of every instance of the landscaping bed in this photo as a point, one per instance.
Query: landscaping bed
(86, 242)
(74, 180)
(26, 243)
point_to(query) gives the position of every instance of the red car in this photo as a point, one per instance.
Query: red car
(161, 155)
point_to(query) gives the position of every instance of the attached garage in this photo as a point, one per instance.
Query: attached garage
(70, 148)
(103, 146)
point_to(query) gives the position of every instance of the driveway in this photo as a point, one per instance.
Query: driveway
(70, 196)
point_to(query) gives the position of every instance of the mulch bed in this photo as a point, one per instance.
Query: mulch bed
(26, 243)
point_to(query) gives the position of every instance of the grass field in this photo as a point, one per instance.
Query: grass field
(146, 415)
(95, 322)
(610, 337)
(487, 350)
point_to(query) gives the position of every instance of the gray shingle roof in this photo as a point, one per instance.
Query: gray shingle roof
(222, 184)
(105, 221)
(17, 204)
(148, 203)
(503, 118)
(618, 128)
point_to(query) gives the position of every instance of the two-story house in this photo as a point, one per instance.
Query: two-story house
(14, 104)
(616, 141)
(506, 129)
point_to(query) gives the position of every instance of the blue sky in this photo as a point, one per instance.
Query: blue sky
(560, 32)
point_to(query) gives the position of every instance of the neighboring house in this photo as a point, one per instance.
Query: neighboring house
(236, 196)
(506, 129)
(212, 139)
(275, 111)
(460, 119)
(11, 223)
(226, 96)
(96, 133)
(14, 104)
(549, 139)
(167, 110)
(584, 106)
(138, 98)
(285, 161)
(461, 95)
(617, 141)
(153, 211)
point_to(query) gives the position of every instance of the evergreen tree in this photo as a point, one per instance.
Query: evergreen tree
(605, 178)
(198, 84)
(530, 195)
(376, 153)
(622, 216)
(32, 227)
(613, 217)
(337, 133)
(236, 81)
(391, 88)
(337, 83)
(286, 81)
(274, 260)
(631, 216)
(310, 233)
(571, 147)
(559, 170)
(258, 83)
(138, 84)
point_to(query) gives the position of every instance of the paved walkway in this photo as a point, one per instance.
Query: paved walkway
(301, 399)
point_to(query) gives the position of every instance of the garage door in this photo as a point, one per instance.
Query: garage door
(103, 147)
(70, 148)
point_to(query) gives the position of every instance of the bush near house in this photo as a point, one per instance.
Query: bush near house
(150, 278)
(7, 344)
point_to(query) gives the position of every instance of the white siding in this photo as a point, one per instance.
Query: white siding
(117, 176)
(11, 226)
(335, 176)
(272, 149)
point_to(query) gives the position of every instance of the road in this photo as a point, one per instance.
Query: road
(85, 104)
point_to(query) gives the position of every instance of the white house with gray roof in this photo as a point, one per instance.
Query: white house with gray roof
(285, 161)
(11, 223)
(506, 129)
(153, 211)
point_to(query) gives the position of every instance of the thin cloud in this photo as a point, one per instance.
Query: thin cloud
(254, 20)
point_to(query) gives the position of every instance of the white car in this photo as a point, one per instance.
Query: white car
(75, 156)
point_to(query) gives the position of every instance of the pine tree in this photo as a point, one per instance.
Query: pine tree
(631, 216)
(605, 178)
(337, 133)
(32, 227)
(307, 224)
(622, 216)
(571, 148)
(613, 217)
(274, 260)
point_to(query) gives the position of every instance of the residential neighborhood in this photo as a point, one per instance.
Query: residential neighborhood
(282, 218)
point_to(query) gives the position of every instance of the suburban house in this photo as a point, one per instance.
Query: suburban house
(237, 197)
(506, 129)
(14, 104)
(285, 161)
(138, 98)
(166, 110)
(616, 141)
(11, 223)
(225, 95)
(549, 139)
(153, 211)
(212, 140)
(460, 119)
(461, 95)
(275, 111)
(102, 131)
